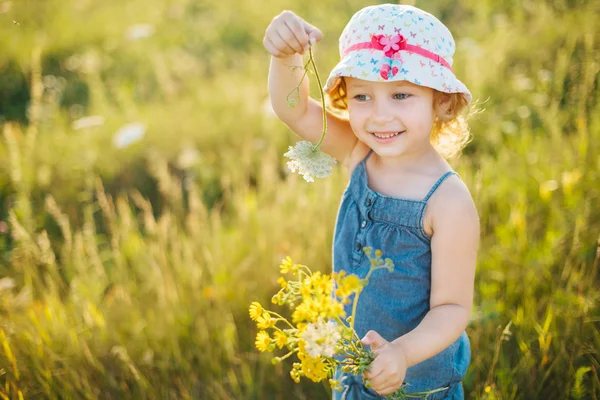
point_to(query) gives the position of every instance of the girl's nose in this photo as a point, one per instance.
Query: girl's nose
(382, 112)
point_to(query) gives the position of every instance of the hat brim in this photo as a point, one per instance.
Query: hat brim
(366, 64)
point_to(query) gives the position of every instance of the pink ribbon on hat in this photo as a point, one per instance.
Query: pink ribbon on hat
(392, 45)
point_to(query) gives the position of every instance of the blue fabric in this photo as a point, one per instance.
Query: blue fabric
(393, 303)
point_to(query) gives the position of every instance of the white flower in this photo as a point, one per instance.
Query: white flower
(88, 122)
(321, 338)
(6, 283)
(139, 31)
(128, 134)
(308, 162)
(188, 157)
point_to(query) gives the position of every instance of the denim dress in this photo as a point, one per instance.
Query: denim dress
(393, 303)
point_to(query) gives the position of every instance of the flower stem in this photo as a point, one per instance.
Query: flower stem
(312, 61)
(287, 355)
(357, 295)
(281, 318)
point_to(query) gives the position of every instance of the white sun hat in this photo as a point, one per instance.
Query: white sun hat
(391, 42)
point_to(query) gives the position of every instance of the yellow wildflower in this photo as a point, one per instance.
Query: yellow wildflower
(347, 286)
(256, 310)
(336, 385)
(305, 311)
(280, 339)
(321, 283)
(314, 368)
(278, 298)
(337, 310)
(281, 280)
(265, 321)
(287, 265)
(306, 288)
(295, 372)
(263, 341)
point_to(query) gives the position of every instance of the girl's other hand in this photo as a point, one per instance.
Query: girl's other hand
(288, 34)
(387, 372)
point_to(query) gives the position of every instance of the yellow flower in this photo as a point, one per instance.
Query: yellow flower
(281, 280)
(295, 372)
(314, 368)
(321, 283)
(335, 385)
(280, 339)
(286, 265)
(304, 312)
(337, 310)
(265, 321)
(347, 286)
(340, 274)
(277, 298)
(263, 340)
(306, 288)
(256, 310)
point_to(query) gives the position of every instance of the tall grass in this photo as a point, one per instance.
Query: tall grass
(126, 271)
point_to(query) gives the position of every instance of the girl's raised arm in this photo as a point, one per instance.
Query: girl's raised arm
(286, 39)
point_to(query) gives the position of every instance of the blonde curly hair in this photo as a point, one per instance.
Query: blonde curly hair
(450, 132)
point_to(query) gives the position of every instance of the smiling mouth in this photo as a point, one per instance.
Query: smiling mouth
(386, 135)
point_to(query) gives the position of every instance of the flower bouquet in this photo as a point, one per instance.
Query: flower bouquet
(320, 334)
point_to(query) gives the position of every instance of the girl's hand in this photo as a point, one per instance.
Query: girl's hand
(388, 370)
(289, 34)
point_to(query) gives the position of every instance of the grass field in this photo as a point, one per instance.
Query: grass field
(145, 202)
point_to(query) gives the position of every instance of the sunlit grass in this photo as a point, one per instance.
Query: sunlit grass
(126, 272)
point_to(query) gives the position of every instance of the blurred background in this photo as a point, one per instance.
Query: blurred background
(145, 201)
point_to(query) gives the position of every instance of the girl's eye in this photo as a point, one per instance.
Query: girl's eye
(401, 96)
(361, 97)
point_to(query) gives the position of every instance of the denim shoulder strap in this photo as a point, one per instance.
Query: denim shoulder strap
(438, 183)
(367, 156)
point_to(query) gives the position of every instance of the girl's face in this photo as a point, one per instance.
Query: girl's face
(392, 118)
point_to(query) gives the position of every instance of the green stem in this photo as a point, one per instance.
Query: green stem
(287, 355)
(419, 395)
(357, 295)
(281, 318)
(297, 88)
(354, 305)
(308, 269)
(312, 61)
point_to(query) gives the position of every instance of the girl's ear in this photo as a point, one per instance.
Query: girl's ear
(443, 104)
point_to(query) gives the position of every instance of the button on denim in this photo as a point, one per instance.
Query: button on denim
(393, 303)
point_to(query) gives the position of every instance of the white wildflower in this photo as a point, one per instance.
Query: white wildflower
(6, 283)
(308, 162)
(128, 134)
(188, 158)
(88, 122)
(139, 31)
(321, 338)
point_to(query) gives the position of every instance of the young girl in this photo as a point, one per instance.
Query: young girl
(396, 83)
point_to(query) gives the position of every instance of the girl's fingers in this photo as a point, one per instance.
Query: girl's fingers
(289, 36)
(300, 35)
(378, 384)
(312, 32)
(281, 44)
(271, 48)
(387, 390)
(376, 377)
